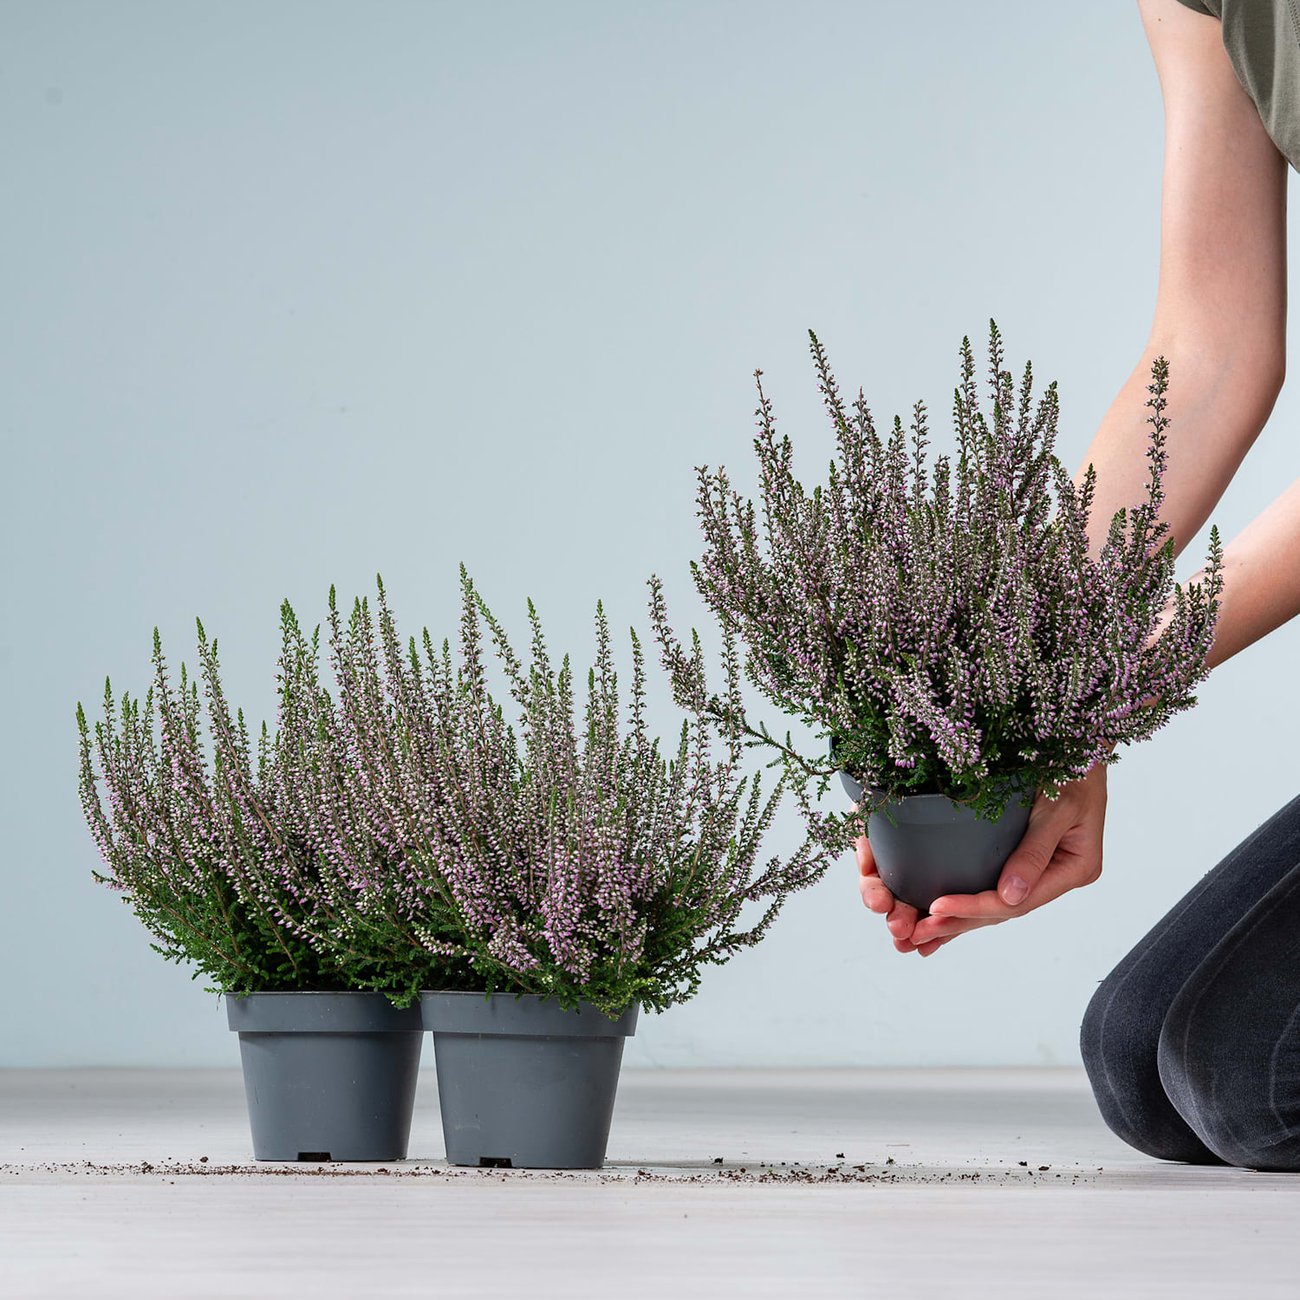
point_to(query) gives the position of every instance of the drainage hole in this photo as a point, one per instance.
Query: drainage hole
(494, 1162)
(313, 1155)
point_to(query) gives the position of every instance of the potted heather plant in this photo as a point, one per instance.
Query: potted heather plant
(944, 631)
(233, 865)
(559, 870)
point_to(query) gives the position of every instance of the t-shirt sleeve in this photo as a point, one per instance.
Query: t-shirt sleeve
(1200, 6)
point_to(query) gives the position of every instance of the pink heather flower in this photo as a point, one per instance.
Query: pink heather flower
(944, 626)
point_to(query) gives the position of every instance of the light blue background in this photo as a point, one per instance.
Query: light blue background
(295, 292)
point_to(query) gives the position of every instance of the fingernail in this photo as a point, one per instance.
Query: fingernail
(1014, 891)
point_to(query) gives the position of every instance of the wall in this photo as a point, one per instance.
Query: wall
(298, 292)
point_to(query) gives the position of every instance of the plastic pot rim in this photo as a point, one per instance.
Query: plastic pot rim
(461, 1011)
(309, 1011)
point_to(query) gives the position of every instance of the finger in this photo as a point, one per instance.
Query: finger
(902, 920)
(875, 893)
(985, 906)
(866, 857)
(933, 927)
(876, 896)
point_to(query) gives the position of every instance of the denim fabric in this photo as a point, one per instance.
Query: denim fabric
(1192, 1043)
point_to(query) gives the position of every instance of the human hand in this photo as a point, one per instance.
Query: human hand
(900, 917)
(1061, 850)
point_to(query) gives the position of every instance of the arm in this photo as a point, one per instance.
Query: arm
(1261, 569)
(1220, 320)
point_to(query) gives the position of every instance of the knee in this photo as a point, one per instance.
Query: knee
(1118, 1039)
(1114, 1045)
(1093, 1033)
(1220, 1075)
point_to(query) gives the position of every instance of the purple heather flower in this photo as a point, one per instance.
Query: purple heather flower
(946, 626)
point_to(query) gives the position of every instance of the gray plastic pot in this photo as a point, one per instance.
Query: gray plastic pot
(328, 1076)
(935, 847)
(522, 1083)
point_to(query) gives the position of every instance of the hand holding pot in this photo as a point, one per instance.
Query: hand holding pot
(900, 917)
(1060, 850)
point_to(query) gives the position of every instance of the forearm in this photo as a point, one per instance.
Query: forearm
(1216, 414)
(1219, 400)
(1261, 578)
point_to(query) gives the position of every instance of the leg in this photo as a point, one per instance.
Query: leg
(1121, 1034)
(1229, 1053)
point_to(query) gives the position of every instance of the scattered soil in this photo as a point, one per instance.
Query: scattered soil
(888, 1172)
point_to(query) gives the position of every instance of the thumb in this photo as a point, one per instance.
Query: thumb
(1026, 865)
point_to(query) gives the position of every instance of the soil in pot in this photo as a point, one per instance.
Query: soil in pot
(328, 1076)
(523, 1083)
(934, 846)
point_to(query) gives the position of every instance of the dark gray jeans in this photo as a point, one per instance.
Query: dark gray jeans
(1192, 1043)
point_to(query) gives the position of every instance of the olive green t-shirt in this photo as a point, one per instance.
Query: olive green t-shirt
(1262, 38)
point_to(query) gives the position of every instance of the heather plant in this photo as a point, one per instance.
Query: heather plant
(945, 628)
(552, 848)
(237, 862)
(198, 844)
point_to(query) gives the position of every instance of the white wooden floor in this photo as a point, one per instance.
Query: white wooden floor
(969, 1183)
